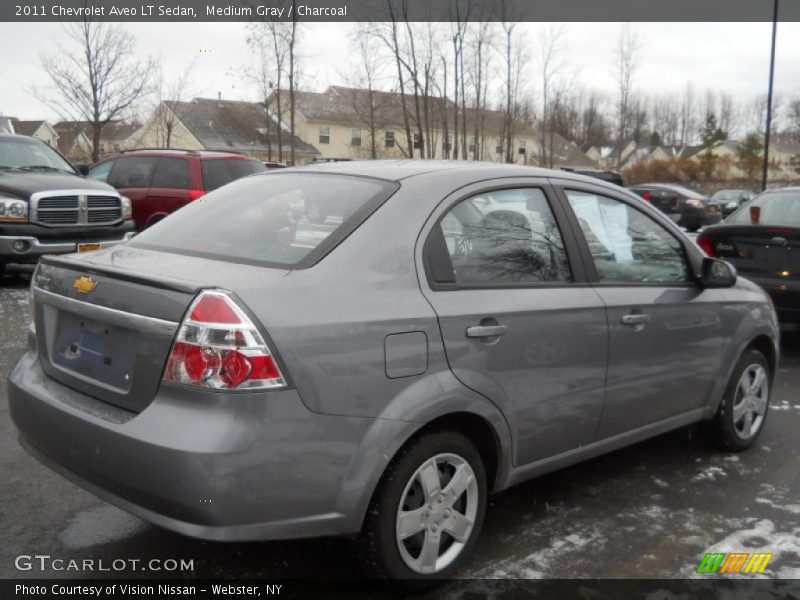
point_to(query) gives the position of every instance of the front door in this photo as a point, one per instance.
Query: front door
(519, 325)
(666, 333)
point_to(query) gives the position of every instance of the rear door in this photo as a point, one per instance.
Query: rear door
(131, 176)
(169, 190)
(665, 332)
(519, 324)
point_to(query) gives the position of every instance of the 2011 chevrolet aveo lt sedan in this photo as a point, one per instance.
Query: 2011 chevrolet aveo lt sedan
(238, 372)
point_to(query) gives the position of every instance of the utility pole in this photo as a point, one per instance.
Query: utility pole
(764, 173)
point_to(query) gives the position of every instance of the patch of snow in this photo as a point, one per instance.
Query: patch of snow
(710, 474)
(792, 508)
(99, 525)
(660, 482)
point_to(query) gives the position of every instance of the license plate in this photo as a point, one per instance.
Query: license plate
(712, 209)
(88, 247)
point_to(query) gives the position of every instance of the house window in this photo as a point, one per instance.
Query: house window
(522, 146)
(498, 148)
(388, 139)
(472, 144)
(447, 144)
(324, 134)
(355, 136)
(416, 141)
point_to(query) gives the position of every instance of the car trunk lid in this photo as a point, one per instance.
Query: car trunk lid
(105, 323)
(763, 251)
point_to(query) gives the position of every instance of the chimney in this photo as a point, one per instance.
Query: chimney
(219, 99)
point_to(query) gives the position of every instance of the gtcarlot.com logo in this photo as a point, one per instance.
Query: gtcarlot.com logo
(45, 562)
(734, 563)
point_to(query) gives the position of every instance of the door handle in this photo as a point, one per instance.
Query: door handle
(635, 319)
(481, 331)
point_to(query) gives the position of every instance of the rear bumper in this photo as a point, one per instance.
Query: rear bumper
(226, 467)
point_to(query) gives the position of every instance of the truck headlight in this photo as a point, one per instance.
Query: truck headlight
(127, 208)
(13, 210)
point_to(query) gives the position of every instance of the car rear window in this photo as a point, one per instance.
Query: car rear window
(272, 220)
(777, 208)
(219, 171)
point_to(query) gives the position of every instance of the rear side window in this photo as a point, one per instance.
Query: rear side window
(268, 219)
(171, 173)
(132, 171)
(218, 172)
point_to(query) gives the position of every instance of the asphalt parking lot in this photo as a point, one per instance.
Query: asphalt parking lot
(649, 511)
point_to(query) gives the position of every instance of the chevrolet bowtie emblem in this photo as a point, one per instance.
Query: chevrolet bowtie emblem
(84, 285)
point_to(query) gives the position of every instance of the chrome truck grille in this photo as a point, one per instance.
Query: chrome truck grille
(75, 207)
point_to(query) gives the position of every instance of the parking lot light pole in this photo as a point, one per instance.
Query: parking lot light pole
(765, 170)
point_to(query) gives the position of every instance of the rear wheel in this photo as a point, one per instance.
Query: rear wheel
(744, 406)
(427, 511)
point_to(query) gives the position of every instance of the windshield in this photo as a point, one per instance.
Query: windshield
(277, 219)
(777, 208)
(24, 153)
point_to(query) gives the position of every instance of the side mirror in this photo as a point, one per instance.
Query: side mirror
(715, 273)
(83, 169)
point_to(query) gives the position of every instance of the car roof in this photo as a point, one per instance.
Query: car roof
(398, 170)
(17, 136)
(202, 154)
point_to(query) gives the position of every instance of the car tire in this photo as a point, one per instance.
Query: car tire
(415, 493)
(745, 403)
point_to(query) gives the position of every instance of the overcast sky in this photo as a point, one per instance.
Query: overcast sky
(720, 56)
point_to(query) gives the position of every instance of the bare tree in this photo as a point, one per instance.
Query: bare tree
(170, 93)
(552, 46)
(627, 60)
(265, 39)
(95, 77)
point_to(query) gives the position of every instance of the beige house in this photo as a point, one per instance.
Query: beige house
(341, 122)
(75, 146)
(117, 135)
(216, 124)
(41, 130)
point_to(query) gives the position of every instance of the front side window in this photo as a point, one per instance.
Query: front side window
(324, 134)
(504, 237)
(355, 136)
(269, 219)
(627, 246)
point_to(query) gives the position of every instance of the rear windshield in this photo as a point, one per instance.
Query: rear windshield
(777, 208)
(275, 219)
(218, 171)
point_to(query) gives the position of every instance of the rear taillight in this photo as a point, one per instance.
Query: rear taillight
(647, 197)
(219, 347)
(195, 194)
(705, 243)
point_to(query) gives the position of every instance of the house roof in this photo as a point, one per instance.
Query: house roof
(783, 144)
(351, 107)
(233, 125)
(67, 140)
(114, 131)
(27, 127)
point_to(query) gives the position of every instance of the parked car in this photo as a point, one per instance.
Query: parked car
(604, 175)
(382, 374)
(762, 240)
(730, 200)
(272, 164)
(160, 181)
(688, 208)
(46, 207)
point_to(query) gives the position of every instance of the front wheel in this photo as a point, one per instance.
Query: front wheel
(428, 509)
(744, 406)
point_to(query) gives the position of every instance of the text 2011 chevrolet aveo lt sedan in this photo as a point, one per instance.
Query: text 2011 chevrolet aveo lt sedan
(237, 372)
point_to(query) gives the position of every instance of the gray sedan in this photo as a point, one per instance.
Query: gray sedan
(240, 371)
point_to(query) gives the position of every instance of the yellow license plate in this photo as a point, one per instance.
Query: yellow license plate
(88, 247)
